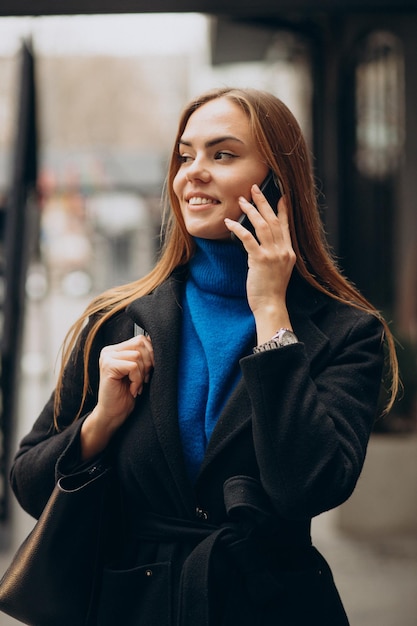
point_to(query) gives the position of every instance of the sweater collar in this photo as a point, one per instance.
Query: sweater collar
(219, 267)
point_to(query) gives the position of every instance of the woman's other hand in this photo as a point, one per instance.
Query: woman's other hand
(124, 369)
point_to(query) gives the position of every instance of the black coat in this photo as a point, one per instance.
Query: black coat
(291, 439)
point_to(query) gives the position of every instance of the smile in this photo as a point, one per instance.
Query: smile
(197, 200)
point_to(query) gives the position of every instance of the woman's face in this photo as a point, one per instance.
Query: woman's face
(219, 163)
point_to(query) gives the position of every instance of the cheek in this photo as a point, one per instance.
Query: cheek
(233, 209)
(177, 184)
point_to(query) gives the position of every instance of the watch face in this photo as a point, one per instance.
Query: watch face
(287, 338)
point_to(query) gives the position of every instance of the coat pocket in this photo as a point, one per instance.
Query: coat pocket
(136, 596)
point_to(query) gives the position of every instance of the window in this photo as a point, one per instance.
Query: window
(380, 106)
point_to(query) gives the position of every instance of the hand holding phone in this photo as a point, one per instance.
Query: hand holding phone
(272, 192)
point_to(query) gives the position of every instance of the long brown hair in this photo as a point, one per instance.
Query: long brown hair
(283, 148)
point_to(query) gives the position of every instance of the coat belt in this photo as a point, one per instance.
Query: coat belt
(249, 514)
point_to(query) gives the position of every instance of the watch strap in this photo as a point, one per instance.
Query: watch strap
(283, 337)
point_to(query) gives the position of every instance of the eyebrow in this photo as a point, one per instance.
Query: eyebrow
(212, 142)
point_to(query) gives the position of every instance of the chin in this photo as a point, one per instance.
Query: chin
(211, 236)
(209, 233)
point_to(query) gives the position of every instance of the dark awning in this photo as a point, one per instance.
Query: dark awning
(238, 8)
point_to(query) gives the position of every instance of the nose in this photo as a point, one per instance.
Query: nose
(198, 170)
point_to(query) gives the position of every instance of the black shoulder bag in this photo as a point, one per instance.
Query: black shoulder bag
(53, 577)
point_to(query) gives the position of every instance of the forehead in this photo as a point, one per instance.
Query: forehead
(216, 118)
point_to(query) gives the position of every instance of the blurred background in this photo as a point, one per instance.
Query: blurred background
(88, 111)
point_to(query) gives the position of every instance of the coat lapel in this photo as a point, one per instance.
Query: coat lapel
(159, 314)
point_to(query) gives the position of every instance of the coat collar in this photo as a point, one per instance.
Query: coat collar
(305, 304)
(159, 313)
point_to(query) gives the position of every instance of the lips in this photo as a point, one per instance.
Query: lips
(201, 200)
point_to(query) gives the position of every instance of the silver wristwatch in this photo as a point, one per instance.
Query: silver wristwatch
(283, 337)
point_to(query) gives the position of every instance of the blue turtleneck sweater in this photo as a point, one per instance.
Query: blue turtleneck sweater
(217, 331)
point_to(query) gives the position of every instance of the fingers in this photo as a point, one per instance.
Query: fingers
(129, 362)
(270, 227)
(270, 220)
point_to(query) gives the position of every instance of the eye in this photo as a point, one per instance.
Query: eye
(184, 158)
(222, 154)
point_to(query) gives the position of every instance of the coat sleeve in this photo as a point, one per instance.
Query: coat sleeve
(45, 448)
(311, 434)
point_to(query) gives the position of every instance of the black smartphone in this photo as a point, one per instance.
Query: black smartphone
(272, 192)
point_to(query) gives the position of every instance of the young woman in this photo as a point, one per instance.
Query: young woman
(244, 407)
